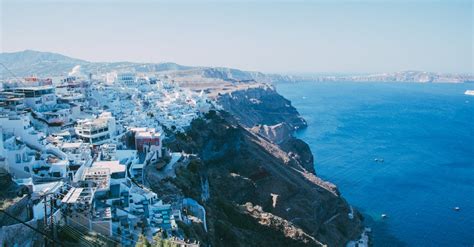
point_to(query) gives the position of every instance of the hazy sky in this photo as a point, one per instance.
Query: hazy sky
(269, 36)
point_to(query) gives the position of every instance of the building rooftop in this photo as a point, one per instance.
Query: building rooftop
(113, 166)
(47, 187)
(72, 145)
(147, 134)
(72, 195)
(35, 88)
(100, 176)
(78, 196)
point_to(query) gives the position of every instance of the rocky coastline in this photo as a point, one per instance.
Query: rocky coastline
(262, 189)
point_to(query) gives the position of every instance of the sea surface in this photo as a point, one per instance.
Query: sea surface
(425, 135)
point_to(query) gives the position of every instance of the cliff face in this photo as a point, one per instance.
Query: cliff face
(277, 133)
(256, 181)
(259, 195)
(265, 112)
(261, 106)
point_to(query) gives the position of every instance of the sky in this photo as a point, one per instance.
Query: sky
(268, 36)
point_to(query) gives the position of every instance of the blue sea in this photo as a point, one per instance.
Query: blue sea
(425, 135)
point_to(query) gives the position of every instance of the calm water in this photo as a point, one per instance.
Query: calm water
(424, 133)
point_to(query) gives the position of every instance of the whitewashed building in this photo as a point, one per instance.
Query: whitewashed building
(97, 131)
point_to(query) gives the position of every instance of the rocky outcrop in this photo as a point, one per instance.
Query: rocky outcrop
(281, 134)
(290, 205)
(272, 221)
(266, 113)
(277, 133)
(300, 151)
(261, 106)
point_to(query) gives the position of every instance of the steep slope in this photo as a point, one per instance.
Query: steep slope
(259, 195)
(265, 112)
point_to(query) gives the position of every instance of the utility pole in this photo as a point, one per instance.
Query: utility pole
(45, 219)
(51, 201)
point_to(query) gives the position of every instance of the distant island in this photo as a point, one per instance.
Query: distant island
(29, 62)
(402, 76)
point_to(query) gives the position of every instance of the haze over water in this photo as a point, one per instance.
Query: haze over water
(424, 133)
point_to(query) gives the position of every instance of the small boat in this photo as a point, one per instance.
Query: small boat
(384, 216)
(457, 208)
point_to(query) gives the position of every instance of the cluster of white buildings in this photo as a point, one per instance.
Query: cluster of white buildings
(142, 100)
(85, 143)
(105, 198)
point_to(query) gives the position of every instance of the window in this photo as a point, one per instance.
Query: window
(18, 158)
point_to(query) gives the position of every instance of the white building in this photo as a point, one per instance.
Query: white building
(78, 154)
(12, 101)
(37, 98)
(19, 125)
(126, 78)
(19, 159)
(97, 131)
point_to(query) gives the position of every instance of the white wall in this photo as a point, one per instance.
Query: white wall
(16, 126)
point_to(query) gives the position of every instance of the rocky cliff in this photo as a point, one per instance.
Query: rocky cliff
(265, 112)
(261, 106)
(259, 195)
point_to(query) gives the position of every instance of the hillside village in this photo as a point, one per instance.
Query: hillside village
(75, 149)
(131, 157)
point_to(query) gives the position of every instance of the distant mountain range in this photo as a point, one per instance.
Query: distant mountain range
(29, 62)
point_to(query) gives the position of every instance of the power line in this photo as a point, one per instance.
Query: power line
(32, 228)
(9, 71)
(68, 217)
